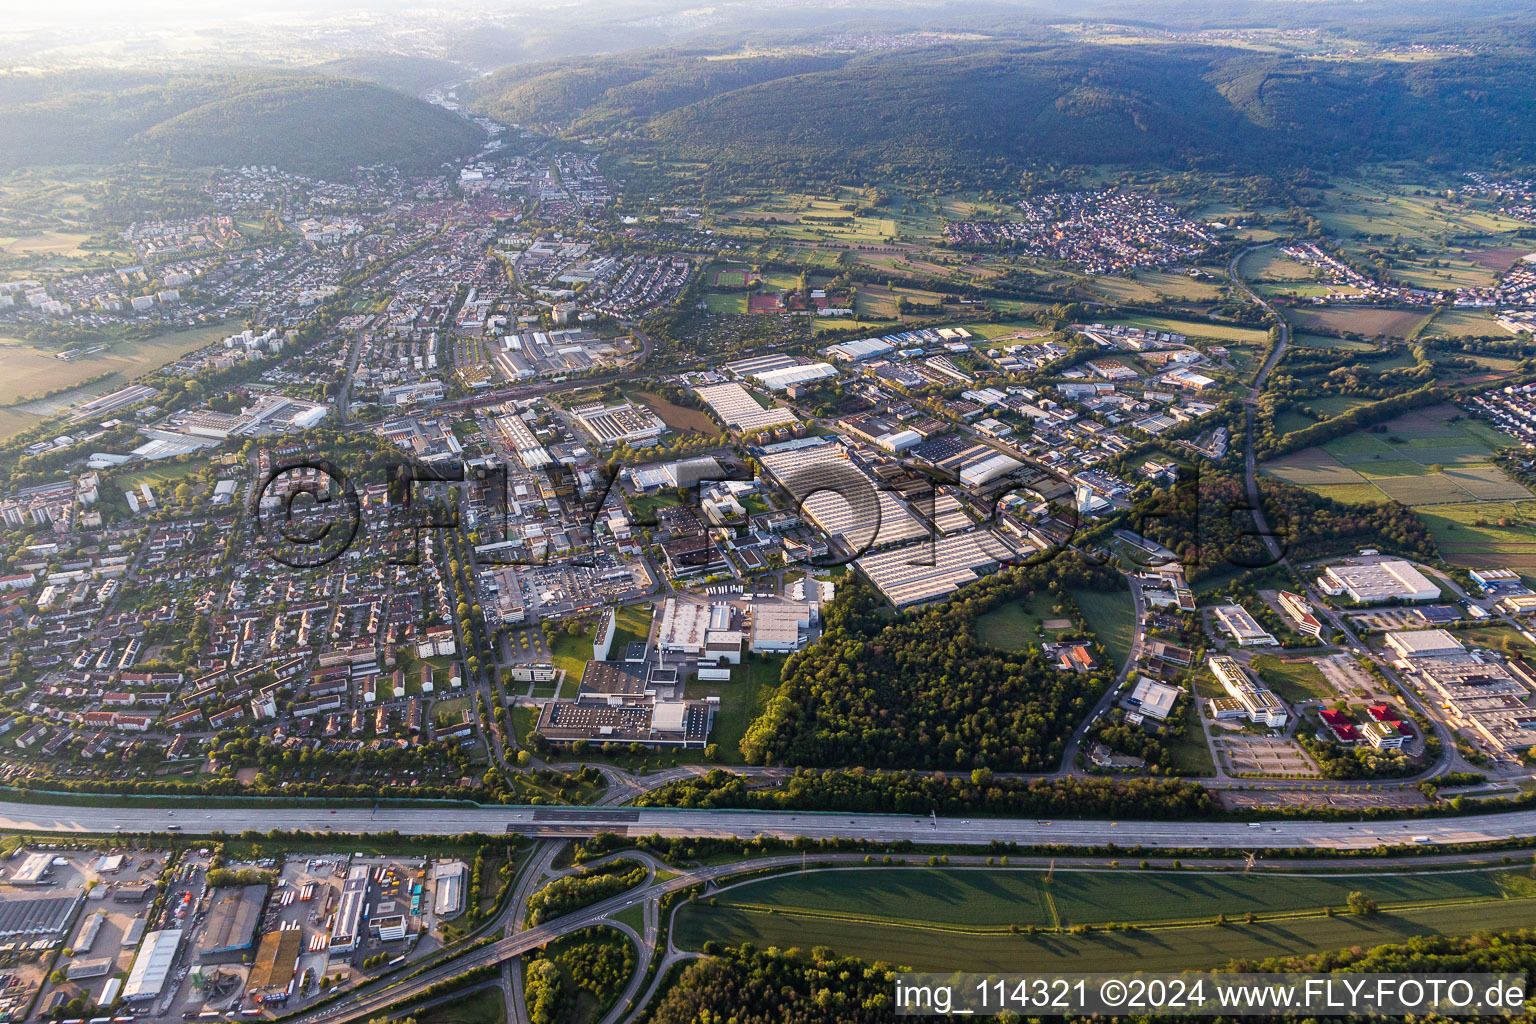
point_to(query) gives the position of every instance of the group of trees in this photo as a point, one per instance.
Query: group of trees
(597, 961)
(922, 691)
(746, 986)
(1207, 521)
(979, 792)
(582, 889)
(749, 986)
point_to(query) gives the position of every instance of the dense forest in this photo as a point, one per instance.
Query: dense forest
(922, 691)
(987, 110)
(302, 123)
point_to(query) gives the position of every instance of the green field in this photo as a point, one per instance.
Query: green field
(937, 919)
(1433, 461)
(31, 371)
(1459, 323)
(742, 699)
(572, 653)
(632, 624)
(1111, 617)
(1019, 625)
(1213, 330)
(1293, 680)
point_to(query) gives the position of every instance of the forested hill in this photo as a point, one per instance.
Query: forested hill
(300, 122)
(990, 109)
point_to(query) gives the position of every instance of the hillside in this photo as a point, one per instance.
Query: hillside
(985, 110)
(303, 123)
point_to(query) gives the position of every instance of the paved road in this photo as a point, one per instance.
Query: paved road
(1069, 755)
(1250, 404)
(579, 822)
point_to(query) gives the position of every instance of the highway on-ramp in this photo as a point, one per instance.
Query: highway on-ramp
(580, 822)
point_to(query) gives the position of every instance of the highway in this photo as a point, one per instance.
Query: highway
(581, 822)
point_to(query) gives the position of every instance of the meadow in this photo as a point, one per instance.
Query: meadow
(1019, 625)
(1369, 323)
(743, 698)
(1111, 617)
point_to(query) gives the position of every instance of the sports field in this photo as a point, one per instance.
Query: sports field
(938, 919)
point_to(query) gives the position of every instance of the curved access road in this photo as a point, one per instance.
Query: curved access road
(582, 822)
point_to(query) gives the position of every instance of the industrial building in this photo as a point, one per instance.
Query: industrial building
(151, 968)
(845, 502)
(781, 627)
(1392, 580)
(622, 423)
(345, 930)
(1243, 627)
(1152, 699)
(740, 411)
(918, 574)
(1425, 643)
(276, 959)
(670, 723)
(34, 870)
(449, 878)
(37, 917)
(230, 931)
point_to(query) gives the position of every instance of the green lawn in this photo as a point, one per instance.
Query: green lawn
(573, 652)
(742, 700)
(936, 919)
(1191, 754)
(633, 625)
(1017, 626)
(1293, 681)
(1110, 616)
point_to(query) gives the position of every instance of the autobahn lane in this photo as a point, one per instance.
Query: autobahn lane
(579, 822)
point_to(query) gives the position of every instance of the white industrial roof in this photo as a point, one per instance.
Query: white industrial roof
(153, 964)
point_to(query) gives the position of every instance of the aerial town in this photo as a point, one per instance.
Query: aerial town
(500, 584)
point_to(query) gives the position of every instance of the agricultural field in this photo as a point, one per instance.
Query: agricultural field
(1270, 265)
(1323, 341)
(1425, 458)
(1368, 323)
(1487, 534)
(1147, 285)
(1379, 207)
(1212, 330)
(933, 919)
(680, 418)
(1465, 323)
(32, 371)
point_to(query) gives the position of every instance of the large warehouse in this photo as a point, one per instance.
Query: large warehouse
(151, 968)
(1424, 643)
(42, 917)
(230, 932)
(1393, 580)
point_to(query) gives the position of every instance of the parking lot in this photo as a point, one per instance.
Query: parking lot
(1243, 752)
